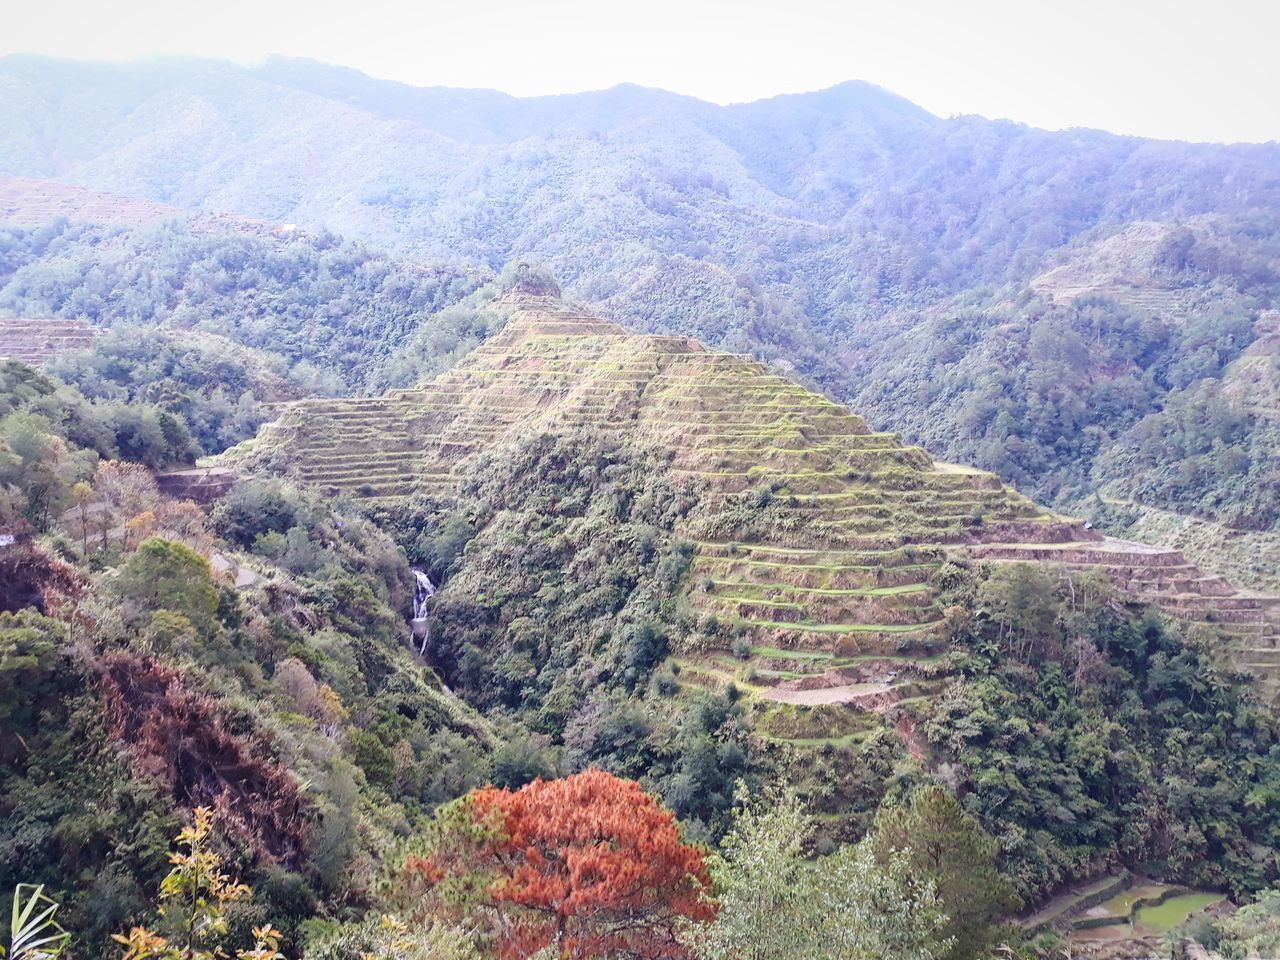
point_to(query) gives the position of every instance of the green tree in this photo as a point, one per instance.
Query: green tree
(40, 463)
(776, 905)
(948, 847)
(1254, 930)
(164, 575)
(33, 671)
(1022, 601)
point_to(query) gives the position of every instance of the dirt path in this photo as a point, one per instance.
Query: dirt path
(844, 693)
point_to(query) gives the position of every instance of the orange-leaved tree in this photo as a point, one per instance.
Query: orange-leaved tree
(589, 866)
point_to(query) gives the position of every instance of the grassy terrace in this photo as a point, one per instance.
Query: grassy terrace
(839, 628)
(823, 710)
(1075, 899)
(756, 591)
(858, 520)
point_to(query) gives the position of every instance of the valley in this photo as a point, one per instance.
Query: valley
(814, 534)
(871, 550)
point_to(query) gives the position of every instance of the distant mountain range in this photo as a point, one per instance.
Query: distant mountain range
(936, 273)
(841, 204)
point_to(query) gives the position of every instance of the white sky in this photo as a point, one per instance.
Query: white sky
(1185, 69)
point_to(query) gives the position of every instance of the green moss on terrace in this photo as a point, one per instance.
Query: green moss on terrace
(814, 532)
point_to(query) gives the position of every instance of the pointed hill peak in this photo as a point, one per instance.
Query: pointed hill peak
(546, 316)
(808, 531)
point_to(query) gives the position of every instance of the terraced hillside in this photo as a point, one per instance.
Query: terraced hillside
(35, 341)
(28, 202)
(825, 562)
(1252, 381)
(1248, 558)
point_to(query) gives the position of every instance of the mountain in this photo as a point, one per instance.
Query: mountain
(331, 308)
(1117, 376)
(623, 522)
(843, 203)
(440, 616)
(834, 235)
(654, 561)
(809, 531)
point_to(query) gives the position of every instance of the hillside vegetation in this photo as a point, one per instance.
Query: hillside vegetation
(849, 199)
(139, 679)
(510, 628)
(621, 519)
(322, 305)
(821, 533)
(670, 582)
(936, 273)
(1122, 371)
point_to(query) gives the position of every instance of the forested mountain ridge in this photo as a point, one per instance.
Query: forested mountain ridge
(832, 234)
(339, 313)
(774, 479)
(843, 202)
(1140, 367)
(623, 523)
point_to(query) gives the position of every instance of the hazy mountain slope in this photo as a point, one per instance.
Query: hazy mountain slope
(828, 233)
(1138, 366)
(319, 303)
(845, 200)
(32, 203)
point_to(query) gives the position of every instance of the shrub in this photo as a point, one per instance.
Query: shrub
(589, 864)
(185, 740)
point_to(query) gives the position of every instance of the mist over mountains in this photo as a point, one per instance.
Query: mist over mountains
(846, 202)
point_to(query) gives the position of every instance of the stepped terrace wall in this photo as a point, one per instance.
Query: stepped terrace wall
(34, 341)
(817, 534)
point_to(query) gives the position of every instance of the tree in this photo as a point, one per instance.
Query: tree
(776, 905)
(1021, 600)
(163, 575)
(1254, 929)
(315, 700)
(759, 882)
(254, 508)
(35, 675)
(82, 493)
(40, 463)
(949, 848)
(589, 865)
(126, 490)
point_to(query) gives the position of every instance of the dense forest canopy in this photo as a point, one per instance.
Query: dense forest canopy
(324, 306)
(1104, 390)
(222, 733)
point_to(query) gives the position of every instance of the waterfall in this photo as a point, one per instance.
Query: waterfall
(423, 591)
